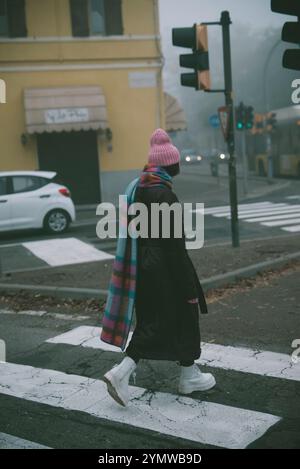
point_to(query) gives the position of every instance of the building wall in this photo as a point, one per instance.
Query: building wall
(50, 56)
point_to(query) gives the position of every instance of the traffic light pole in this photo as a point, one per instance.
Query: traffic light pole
(225, 22)
(196, 38)
(245, 162)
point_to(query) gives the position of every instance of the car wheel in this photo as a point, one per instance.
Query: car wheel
(57, 221)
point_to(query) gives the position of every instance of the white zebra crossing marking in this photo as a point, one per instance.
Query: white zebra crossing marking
(276, 211)
(265, 213)
(293, 229)
(170, 414)
(13, 442)
(293, 221)
(273, 217)
(211, 210)
(65, 251)
(272, 364)
(257, 211)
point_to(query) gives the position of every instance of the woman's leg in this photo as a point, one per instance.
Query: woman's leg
(186, 362)
(133, 357)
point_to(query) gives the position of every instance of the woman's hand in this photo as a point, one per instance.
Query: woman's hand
(193, 300)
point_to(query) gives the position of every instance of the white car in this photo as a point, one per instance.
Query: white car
(32, 199)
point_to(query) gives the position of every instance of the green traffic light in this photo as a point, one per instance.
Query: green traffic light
(240, 125)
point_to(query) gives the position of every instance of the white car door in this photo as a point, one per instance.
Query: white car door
(5, 205)
(27, 202)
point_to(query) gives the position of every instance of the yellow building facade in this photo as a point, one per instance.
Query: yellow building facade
(83, 90)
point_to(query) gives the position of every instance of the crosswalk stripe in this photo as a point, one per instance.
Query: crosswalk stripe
(293, 229)
(265, 363)
(65, 251)
(293, 221)
(264, 211)
(12, 442)
(273, 217)
(170, 414)
(250, 209)
(276, 211)
(225, 208)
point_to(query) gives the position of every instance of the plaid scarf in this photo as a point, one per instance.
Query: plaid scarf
(118, 311)
(155, 176)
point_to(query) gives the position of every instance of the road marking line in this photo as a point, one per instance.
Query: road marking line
(85, 336)
(258, 212)
(293, 221)
(272, 364)
(65, 251)
(12, 442)
(293, 229)
(273, 217)
(211, 210)
(170, 414)
(276, 211)
(250, 210)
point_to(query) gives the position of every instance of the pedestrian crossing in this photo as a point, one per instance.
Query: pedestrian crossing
(259, 362)
(285, 216)
(65, 251)
(184, 417)
(54, 252)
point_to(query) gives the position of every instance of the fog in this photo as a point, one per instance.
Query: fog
(255, 31)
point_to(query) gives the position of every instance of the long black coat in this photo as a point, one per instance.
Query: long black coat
(167, 326)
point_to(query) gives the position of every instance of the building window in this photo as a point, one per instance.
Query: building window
(96, 17)
(12, 18)
(3, 18)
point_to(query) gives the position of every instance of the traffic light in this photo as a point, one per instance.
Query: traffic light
(195, 38)
(240, 117)
(258, 127)
(271, 121)
(290, 31)
(249, 117)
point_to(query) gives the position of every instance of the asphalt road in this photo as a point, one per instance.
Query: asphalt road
(194, 184)
(51, 393)
(246, 343)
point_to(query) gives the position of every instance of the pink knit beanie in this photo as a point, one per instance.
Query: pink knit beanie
(162, 152)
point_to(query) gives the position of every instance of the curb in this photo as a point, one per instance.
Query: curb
(216, 281)
(246, 272)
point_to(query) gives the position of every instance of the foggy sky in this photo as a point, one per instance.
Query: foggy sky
(256, 13)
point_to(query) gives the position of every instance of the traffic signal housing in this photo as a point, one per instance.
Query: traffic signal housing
(290, 31)
(240, 117)
(271, 121)
(259, 124)
(249, 117)
(244, 117)
(195, 38)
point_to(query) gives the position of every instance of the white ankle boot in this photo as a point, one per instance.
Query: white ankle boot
(192, 379)
(117, 380)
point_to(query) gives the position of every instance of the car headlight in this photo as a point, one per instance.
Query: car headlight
(188, 158)
(199, 158)
(222, 156)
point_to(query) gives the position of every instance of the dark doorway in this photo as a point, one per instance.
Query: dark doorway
(74, 156)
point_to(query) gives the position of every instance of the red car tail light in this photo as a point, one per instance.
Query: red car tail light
(64, 191)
